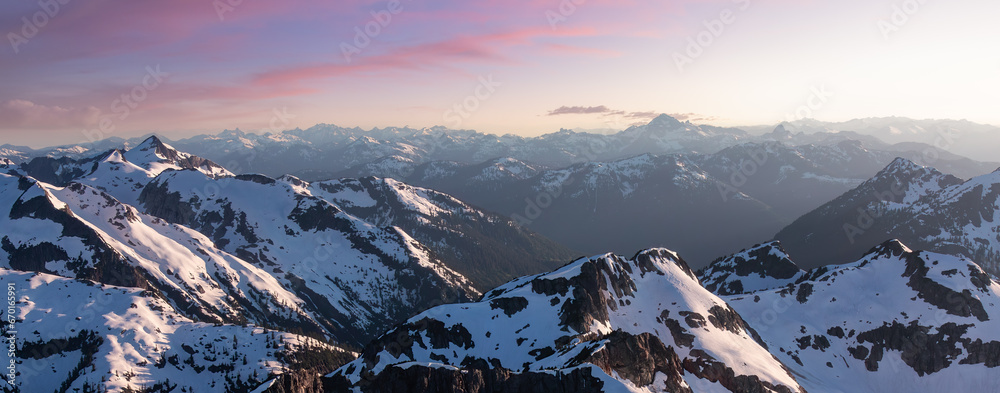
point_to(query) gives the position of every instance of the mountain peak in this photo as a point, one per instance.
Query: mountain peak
(232, 133)
(115, 155)
(892, 247)
(156, 146)
(780, 132)
(156, 156)
(153, 140)
(665, 120)
(902, 165)
(645, 256)
(763, 266)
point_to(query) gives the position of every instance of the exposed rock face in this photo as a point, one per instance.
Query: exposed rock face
(478, 376)
(638, 359)
(301, 380)
(763, 266)
(58, 171)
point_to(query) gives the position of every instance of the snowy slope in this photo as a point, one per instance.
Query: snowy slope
(646, 322)
(360, 277)
(896, 321)
(80, 232)
(487, 248)
(75, 334)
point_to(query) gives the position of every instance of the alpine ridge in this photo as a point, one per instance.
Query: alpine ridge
(913, 203)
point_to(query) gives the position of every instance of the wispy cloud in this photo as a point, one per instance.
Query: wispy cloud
(579, 110)
(602, 110)
(23, 114)
(450, 53)
(693, 117)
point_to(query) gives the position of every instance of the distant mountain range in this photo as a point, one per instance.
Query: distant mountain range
(702, 205)
(323, 151)
(976, 141)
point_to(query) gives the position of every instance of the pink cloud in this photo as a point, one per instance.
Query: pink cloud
(492, 47)
(25, 114)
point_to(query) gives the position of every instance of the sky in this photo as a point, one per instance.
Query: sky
(75, 70)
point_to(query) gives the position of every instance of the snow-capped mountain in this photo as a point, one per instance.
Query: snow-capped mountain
(125, 173)
(78, 335)
(761, 267)
(897, 320)
(795, 180)
(324, 150)
(251, 244)
(601, 324)
(80, 232)
(145, 268)
(360, 277)
(918, 205)
(327, 151)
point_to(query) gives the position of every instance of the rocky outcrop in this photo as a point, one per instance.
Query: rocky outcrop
(638, 358)
(479, 376)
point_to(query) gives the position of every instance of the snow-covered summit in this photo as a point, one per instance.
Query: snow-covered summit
(637, 325)
(763, 266)
(155, 156)
(895, 320)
